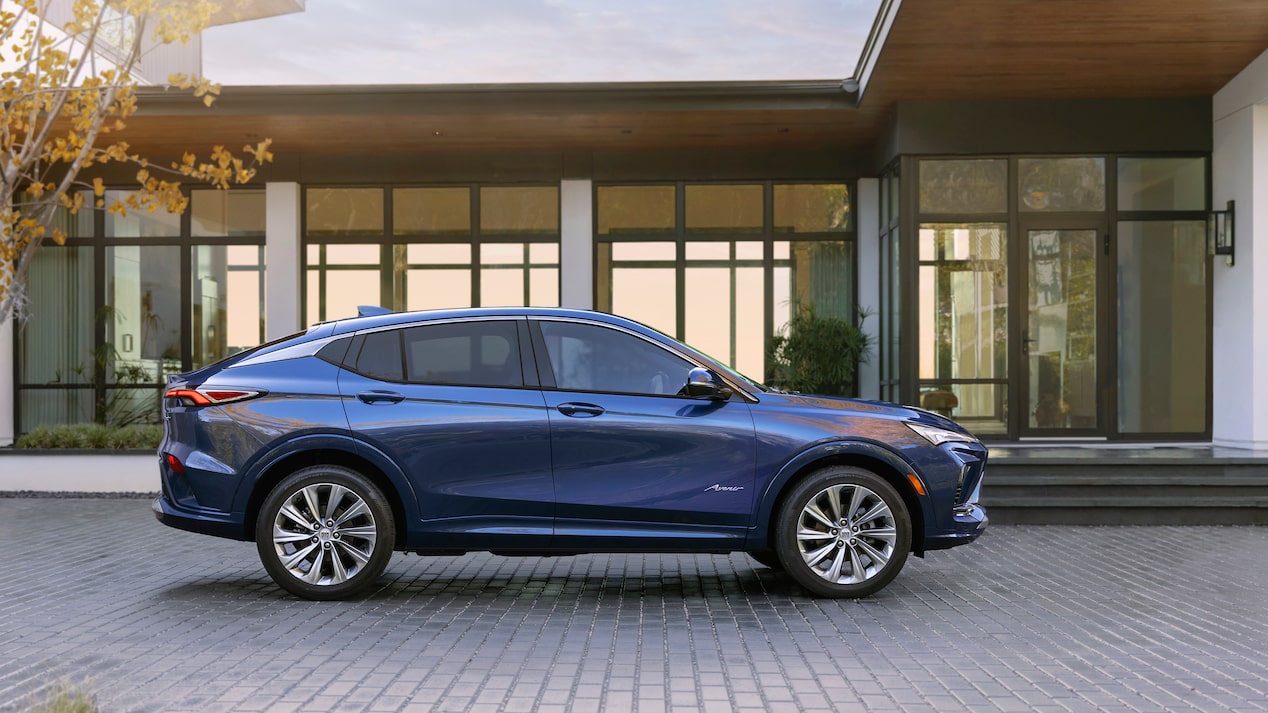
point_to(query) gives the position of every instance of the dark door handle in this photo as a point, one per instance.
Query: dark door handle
(380, 397)
(578, 410)
(1025, 344)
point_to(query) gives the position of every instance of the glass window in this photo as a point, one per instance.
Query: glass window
(438, 276)
(723, 209)
(235, 213)
(380, 356)
(812, 208)
(139, 222)
(724, 303)
(963, 301)
(57, 339)
(519, 209)
(343, 211)
(54, 407)
(962, 186)
(588, 358)
(1162, 327)
(519, 275)
(1162, 183)
(483, 353)
(431, 211)
(639, 281)
(143, 328)
(227, 301)
(981, 408)
(635, 209)
(1061, 184)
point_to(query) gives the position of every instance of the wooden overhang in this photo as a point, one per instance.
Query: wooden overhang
(921, 50)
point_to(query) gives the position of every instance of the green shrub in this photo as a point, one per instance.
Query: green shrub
(818, 354)
(92, 435)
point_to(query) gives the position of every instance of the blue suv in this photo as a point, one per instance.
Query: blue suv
(548, 431)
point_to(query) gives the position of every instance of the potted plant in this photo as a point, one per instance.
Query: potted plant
(819, 354)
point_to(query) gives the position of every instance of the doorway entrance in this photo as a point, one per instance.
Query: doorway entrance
(1061, 336)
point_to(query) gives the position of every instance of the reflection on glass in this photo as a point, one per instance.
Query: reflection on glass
(981, 408)
(227, 301)
(1061, 338)
(1162, 327)
(635, 209)
(144, 325)
(519, 209)
(57, 339)
(54, 407)
(217, 213)
(431, 211)
(1061, 184)
(963, 301)
(1162, 183)
(962, 186)
(128, 406)
(139, 222)
(723, 208)
(818, 274)
(812, 208)
(343, 211)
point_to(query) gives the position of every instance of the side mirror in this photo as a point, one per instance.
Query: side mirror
(702, 384)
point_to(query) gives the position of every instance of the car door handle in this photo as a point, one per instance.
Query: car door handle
(579, 410)
(380, 397)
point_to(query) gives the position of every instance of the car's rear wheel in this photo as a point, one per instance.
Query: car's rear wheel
(325, 532)
(843, 532)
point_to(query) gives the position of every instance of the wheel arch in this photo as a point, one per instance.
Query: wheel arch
(341, 452)
(868, 456)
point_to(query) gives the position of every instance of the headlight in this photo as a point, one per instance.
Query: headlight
(938, 436)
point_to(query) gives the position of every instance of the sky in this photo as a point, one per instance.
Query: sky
(511, 41)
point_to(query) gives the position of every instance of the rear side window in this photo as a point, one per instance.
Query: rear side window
(380, 356)
(482, 353)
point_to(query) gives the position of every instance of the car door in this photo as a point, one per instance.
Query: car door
(448, 402)
(633, 459)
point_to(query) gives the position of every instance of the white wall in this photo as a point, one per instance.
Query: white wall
(283, 313)
(867, 213)
(576, 243)
(1240, 325)
(7, 392)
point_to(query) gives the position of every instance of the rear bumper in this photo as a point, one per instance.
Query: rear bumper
(202, 523)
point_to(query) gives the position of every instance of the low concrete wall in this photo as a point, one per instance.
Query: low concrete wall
(79, 471)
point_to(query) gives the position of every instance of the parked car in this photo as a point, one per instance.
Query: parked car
(548, 431)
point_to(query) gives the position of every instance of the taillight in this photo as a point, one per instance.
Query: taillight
(175, 464)
(210, 397)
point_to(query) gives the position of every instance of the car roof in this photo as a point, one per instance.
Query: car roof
(352, 324)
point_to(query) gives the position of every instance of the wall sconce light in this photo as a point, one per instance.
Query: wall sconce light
(1219, 232)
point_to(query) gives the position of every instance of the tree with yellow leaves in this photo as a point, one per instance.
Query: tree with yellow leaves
(62, 94)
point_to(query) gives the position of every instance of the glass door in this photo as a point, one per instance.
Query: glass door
(1061, 342)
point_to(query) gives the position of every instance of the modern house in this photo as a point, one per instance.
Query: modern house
(1025, 197)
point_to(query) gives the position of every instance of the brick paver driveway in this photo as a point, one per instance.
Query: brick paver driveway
(1029, 618)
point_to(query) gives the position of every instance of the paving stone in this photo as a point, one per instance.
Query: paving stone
(1060, 619)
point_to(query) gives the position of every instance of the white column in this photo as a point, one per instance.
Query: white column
(576, 243)
(283, 313)
(868, 254)
(7, 391)
(1239, 361)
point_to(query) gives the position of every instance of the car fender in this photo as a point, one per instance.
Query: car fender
(330, 442)
(759, 534)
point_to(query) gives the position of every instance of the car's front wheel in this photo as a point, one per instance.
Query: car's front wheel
(325, 532)
(843, 532)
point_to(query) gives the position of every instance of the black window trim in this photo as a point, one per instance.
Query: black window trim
(547, 375)
(350, 358)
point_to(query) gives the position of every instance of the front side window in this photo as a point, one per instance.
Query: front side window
(585, 357)
(485, 353)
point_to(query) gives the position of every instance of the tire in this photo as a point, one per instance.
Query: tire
(815, 524)
(333, 557)
(767, 558)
